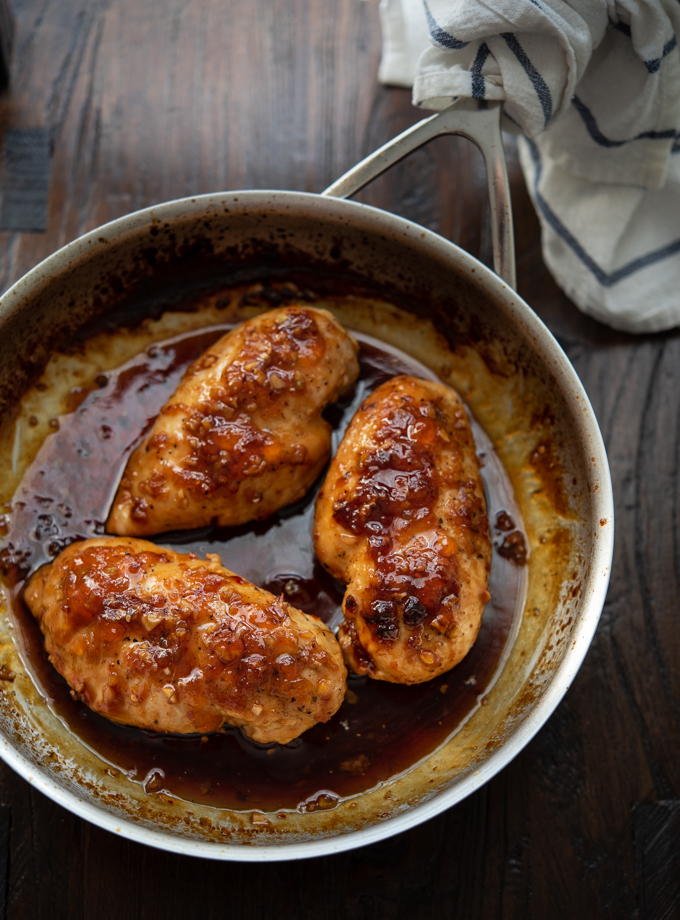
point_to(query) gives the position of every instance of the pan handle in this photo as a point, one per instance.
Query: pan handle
(480, 123)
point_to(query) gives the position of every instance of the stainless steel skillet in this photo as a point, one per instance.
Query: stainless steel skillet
(468, 325)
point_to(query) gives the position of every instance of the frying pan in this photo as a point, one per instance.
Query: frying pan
(457, 316)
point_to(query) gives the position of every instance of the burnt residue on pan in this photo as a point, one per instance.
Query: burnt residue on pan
(184, 259)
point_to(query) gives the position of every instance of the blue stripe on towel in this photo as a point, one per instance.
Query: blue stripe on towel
(621, 27)
(599, 138)
(537, 80)
(605, 279)
(653, 65)
(440, 36)
(478, 88)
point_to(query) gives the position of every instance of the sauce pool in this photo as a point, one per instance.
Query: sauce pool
(381, 729)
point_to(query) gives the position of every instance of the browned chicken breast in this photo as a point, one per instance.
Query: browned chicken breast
(401, 518)
(243, 435)
(165, 641)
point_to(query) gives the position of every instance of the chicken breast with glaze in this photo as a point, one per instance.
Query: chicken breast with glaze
(165, 641)
(401, 519)
(242, 436)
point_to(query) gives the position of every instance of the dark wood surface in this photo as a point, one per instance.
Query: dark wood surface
(143, 101)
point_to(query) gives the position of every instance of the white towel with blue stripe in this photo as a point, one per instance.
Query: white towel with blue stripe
(594, 88)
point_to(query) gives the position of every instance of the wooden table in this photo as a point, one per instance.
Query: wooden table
(138, 102)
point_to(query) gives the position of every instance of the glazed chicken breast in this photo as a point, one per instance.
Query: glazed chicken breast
(172, 643)
(242, 436)
(401, 518)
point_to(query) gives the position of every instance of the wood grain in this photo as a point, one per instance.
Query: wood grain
(149, 101)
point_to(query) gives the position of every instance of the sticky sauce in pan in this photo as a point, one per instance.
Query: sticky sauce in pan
(381, 729)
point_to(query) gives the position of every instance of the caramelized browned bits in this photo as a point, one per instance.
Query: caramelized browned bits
(168, 642)
(243, 434)
(405, 487)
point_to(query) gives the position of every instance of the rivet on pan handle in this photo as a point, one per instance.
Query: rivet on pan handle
(480, 123)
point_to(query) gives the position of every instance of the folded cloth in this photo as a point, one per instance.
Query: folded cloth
(594, 87)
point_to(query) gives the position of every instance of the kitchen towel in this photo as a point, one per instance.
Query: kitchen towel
(593, 87)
